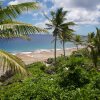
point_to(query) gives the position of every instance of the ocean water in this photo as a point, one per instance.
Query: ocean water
(37, 42)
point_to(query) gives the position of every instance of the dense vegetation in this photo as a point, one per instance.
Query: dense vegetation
(64, 78)
(73, 78)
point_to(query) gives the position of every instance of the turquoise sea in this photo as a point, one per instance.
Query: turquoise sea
(37, 42)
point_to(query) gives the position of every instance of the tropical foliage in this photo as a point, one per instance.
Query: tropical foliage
(59, 25)
(93, 44)
(9, 28)
(66, 35)
(72, 79)
(77, 40)
(75, 78)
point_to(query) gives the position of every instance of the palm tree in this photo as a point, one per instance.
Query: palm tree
(77, 40)
(65, 36)
(93, 50)
(91, 37)
(94, 44)
(57, 23)
(9, 28)
(97, 40)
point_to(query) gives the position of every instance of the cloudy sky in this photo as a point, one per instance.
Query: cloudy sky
(85, 13)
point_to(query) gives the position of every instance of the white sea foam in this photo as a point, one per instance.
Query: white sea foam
(26, 52)
(21, 53)
(44, 50)
(13, 53)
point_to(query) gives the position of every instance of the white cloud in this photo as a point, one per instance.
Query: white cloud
(42, 24)
(18, 2)
(35, 14)
(88, 4)
(13, 2)
(98, 7)
(82, 16)
(80, 11)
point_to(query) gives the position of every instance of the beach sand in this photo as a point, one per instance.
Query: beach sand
(41, 55)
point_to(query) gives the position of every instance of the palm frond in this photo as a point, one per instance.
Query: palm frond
(11, 62)
(18, 29)
(49, 25)
(52, 14)
(13, 11)
(47, 17)
(68, 24)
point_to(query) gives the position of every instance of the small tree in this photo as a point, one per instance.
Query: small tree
(77, 40)
(66, 36)
(93, 43)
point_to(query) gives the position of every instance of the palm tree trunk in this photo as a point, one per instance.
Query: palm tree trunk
(77, 47)
(55, 48)
(94, 57)
(98, 50)
(64, 47)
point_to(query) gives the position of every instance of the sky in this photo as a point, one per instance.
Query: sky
(85, 13)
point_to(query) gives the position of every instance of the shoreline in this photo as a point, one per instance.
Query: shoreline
(41, 50)
(42, 55)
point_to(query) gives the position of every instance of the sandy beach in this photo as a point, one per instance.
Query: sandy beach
(41, 55)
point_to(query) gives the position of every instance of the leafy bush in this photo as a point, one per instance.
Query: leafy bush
(41, 88)
(50, 60)
(74, 79)
(81, 53)
(69, 81)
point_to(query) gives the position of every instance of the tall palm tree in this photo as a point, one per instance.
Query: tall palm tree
(9, 28)
(57, 22)
(77, 40)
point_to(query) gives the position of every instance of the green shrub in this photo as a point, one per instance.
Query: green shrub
(41, 88)
(70, 80)
(97, 83)
(75, 79)
(50, 60)
(81, 53)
